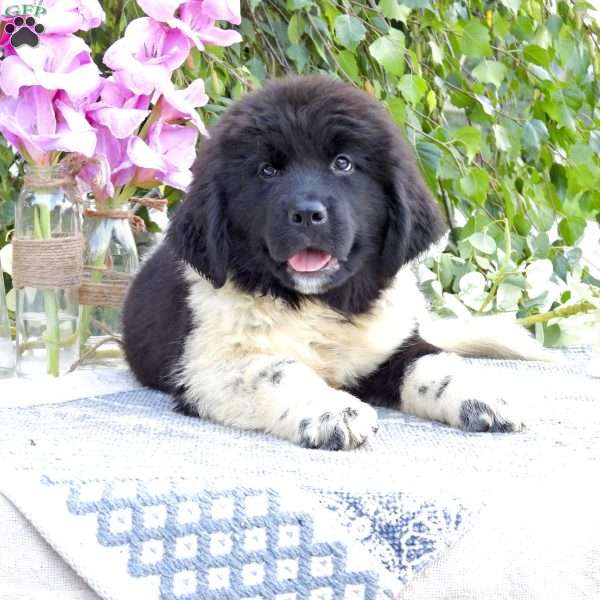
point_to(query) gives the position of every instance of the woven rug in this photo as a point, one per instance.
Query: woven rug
(146, 503)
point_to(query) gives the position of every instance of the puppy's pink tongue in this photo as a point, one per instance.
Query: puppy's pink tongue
(309, 260)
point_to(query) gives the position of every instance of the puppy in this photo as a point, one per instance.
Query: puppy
(284, 298)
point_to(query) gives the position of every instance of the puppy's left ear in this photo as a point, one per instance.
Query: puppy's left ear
(414, 220)
(198, 232)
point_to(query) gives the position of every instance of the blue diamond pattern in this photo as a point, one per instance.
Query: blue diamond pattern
(242, 571)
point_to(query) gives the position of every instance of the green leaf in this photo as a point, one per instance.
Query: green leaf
(595, 141)
(437, 53)
(347, 62)
(475, 41)
(392, 10)
(297, 4)
(431, 100)
(512, 5)
(571, 229)
(388, 51)
(541, 245)
(482, 242)
(522, 224)
(558, 177)
(413, 88)
(430, 156)
(471, 138)
(490, 71)
(296, 27)
(502, 138)
(537, 55)
(535, 134)
(417, 3)
(397, 109)
(543, 217)
(349, 31)
(299, 54)
(508, 296)
(552, 334)
(475, 185)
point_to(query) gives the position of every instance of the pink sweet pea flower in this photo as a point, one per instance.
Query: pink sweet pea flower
(196, 19)
(181, 105)
(166, 157)
(118, 109)
(59, 62)
(146, 55)
(40, 122)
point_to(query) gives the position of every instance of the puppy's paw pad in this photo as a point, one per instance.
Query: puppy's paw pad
(342, 429)
(493, 417)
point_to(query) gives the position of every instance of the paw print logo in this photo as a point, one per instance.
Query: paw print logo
(24, 32)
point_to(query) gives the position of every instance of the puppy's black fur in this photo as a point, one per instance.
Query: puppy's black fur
(235, 222)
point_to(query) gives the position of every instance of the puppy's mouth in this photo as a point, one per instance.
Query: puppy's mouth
(312, 260)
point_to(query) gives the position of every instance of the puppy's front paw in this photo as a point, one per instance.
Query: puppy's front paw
(344, 423)
(495, 416)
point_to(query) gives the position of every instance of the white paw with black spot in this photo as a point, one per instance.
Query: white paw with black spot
(493, 416)
(341, 424)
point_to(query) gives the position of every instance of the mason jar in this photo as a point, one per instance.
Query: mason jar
(7, 351)
(110, 261)
(47, 268)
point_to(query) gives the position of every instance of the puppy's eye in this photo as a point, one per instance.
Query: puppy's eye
(267, 171)
(342, 164)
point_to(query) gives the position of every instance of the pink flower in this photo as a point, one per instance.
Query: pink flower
(196, 19)
(118, 109)
(223, 10)
(176, 105)
(166, 157)
(146, 55)
(111, 168)
(67, 16)
(40, 121)
(59, 62)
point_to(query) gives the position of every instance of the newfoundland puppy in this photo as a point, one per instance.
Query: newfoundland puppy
(284, 297)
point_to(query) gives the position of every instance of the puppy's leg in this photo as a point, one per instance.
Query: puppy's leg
(444, 387)
(279, 396)
(421, 380)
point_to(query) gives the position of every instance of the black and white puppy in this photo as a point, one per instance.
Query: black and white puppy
(284, 298)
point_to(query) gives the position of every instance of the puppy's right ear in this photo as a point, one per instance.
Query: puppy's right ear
(198, 231)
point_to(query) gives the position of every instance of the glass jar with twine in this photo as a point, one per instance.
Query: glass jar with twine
(47, 271)
(7, 352)
(110, 261)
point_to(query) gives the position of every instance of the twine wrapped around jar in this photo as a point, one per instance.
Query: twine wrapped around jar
(102, 286)
(44, 264)
(109, 291)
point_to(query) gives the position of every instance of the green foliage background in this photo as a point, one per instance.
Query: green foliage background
(500, 101)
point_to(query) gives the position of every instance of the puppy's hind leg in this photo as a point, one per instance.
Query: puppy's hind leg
(278, 396)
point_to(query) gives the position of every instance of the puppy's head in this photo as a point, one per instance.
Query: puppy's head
(305, 187)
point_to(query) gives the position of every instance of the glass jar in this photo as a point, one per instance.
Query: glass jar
(7, 352)
(47, 266)
(110, 260)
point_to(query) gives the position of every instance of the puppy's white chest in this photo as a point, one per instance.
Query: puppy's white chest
(234, 325)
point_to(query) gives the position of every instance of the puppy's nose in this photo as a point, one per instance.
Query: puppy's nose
(308, 212)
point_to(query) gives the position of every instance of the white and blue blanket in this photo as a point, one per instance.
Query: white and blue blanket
(145, 503)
